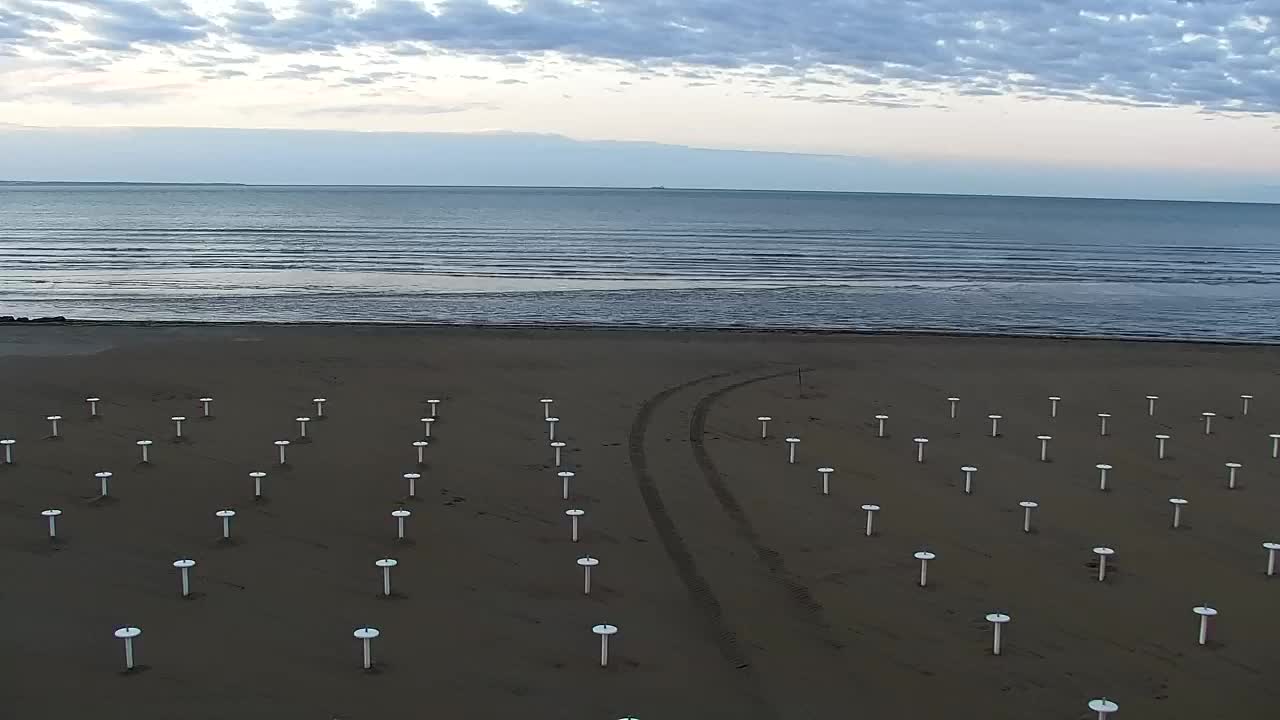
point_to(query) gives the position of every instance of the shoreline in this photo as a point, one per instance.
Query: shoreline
(690, 329)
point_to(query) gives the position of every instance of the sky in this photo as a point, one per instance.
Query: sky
(1149, 98)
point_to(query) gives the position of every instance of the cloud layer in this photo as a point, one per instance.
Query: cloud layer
(291, 157)
(1220, 55)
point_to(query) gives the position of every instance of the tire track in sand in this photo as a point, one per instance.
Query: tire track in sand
(677, 549)
(810, 609)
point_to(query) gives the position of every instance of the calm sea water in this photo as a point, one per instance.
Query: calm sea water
(643, 257)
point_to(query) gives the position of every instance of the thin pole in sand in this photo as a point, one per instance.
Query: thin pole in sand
(421, 445)
(1044, 447)
(546, 408)
(146, 447)
(1178, 504)
(1102, 476)
(871, 511)
(880, 419)
(1160, 446)
(282, 444)
(53, 513)
(996, 619)
(995, 424)
(1270, 547)
(587, 562)
(557, 446)
(968, 471)
(1275, 445)
(924, 556)
(574, 514)
(1244, 401)
(257, 484)
(427, 422)
(1205, 612)
(1103, 707)
(93, 406)
(128, 634)
(319, 407)
(826, 479)
(8, 450)
(204, 403)
(413, 481)
(1103, 553)
(551, 427)
(954, 401)
(53, 420)
(764, 426)
(226, 516)
(1102, 424)
(302, 427)
(604, 631)
(177, 427)
(1151, 405)
(1053, 405)
(920, 443)
(1208, 422)
(400, 515)
(365, 635)
(1027, 506)
(103, 478)
(791, 449)
(386, 564)
(184, 566)
(434, 404)
(564, 475)
(1232, 467)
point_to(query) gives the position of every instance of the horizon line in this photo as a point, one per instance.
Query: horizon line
(133, 183)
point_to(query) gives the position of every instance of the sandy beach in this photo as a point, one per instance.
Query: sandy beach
(739, 589)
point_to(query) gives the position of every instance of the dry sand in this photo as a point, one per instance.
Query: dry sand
(740, 591)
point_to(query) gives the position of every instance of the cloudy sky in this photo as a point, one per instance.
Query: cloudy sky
(1130, 88)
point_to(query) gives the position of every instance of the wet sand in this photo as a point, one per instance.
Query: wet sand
(739, 589)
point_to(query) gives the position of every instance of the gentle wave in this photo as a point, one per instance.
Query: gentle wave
(787, 260)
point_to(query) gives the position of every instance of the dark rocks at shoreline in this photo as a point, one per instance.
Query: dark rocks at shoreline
(12, 319)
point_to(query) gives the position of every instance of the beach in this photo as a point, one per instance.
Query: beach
(738, 588)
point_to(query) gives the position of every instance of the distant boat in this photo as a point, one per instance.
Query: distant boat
(657, 187)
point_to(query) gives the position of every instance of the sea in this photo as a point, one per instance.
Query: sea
(643, 257)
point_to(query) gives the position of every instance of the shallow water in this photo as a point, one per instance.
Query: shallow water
(643, 257)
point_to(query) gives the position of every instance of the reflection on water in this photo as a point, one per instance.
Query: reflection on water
(663, 258)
